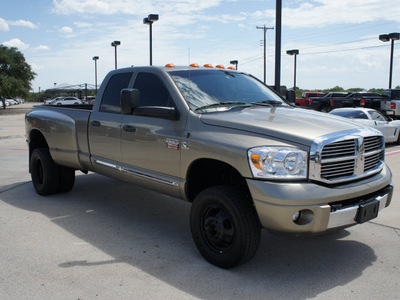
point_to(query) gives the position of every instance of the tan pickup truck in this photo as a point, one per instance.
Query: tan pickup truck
(222, 140)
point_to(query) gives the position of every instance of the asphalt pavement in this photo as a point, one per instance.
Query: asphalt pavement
(111, 240)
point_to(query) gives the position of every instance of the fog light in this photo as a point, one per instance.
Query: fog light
(303, 217)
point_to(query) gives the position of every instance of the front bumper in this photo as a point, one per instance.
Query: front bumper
(311, 208)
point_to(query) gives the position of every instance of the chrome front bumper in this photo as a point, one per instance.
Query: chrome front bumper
(348, 216)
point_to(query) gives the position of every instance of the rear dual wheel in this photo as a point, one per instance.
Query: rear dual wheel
(47, 177)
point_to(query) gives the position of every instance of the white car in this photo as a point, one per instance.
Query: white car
(49, 101)
(66, 101)
(372, 118)
(12, 101)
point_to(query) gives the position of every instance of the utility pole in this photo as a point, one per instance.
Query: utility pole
(278, 32)
(265, 49)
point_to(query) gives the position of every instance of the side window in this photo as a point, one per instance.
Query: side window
(376, 116)
(152, 90)
(110, 102)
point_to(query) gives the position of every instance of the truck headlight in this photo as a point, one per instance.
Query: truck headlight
(278, 163)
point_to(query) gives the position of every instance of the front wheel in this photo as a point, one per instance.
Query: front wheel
(224, 227)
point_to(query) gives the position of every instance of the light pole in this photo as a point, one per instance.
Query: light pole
(95, 58)
(294, 52)
(234, 62)
(115, 44)
(278, 39)
(386, 38)
(149, 21)
(265, 49)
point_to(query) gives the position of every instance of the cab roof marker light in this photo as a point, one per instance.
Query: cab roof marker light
(231, 68)
(220, 66)
(170, 65)
(208, 65)
(194, 65)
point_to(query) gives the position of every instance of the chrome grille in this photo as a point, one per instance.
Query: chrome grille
(374, 155)
(335, 159)
(339, 149)
(373, 143)
(372, 161)
(337, 169)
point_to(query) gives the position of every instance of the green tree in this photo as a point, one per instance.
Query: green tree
(15, 73)
(355, 90)
(335, 89)
(376, 90)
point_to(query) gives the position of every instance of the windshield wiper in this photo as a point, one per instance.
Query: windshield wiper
(267, 103)
(221, 104)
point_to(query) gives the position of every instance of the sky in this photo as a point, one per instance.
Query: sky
(338, 41)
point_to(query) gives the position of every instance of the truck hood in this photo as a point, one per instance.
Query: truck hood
(297, 125)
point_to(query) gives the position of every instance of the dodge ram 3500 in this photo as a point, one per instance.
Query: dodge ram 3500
(222, 140)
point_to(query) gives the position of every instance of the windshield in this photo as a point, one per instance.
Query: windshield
(351, 114)
(222, 89)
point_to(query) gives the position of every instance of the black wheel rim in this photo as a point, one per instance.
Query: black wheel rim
(217, 229)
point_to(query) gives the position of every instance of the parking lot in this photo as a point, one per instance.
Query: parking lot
(110, 240)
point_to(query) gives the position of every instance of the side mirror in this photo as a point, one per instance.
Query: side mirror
(291, 96)
(130, 99)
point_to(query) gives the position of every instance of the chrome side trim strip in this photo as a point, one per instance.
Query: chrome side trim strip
(136, 173)
(150, 177)
(106, 164)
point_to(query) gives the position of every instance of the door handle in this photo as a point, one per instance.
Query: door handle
(95, 123)
(129, 128)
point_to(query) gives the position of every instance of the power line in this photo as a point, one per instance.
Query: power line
(340, 43)
(345, 50)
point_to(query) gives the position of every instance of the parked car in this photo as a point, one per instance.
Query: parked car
(356, 99)
(323, 103)
(48, 101)
(305, 98)
(12, 101)
(6, 103)
(372, 118)
(391, 106)
(66, 101)
(88, 99)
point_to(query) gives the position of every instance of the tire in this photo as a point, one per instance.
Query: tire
(325, 109)
(66, 179)
(398, 139)
(44, 172)
(224, 227)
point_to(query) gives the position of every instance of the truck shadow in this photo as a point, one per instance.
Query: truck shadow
(151, 232)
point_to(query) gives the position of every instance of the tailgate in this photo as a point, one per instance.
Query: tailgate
(385, 104)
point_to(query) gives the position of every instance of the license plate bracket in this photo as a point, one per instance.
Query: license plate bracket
(367, 211)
